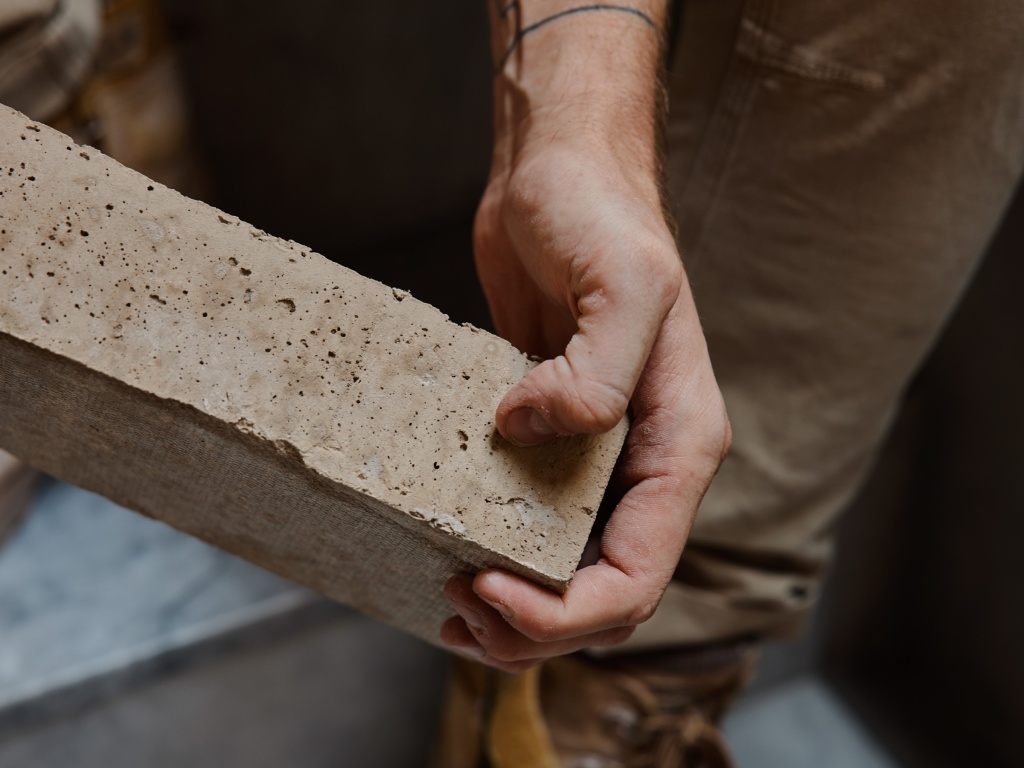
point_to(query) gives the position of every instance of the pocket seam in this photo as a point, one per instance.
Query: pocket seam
(760, 46)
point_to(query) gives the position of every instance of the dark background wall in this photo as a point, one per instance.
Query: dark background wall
(924, 625)
(363, 131)
(360, 129)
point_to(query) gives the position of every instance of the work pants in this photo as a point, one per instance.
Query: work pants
(837, 169)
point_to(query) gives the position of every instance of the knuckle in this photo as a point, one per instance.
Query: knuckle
(600, 405)
(581, 403)
(538, 632)
(722, 436)
(668, 279)
(658, 260)
(716, 432)
(615, 636)
(501, 654)
(499, 647)
(528, 186)
(727, 441)
(642, 613)
(515, 667)
(483, 238)
(485, 220)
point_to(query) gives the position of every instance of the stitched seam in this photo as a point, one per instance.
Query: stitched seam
(719, 144)
(722, 171)
(768, 49)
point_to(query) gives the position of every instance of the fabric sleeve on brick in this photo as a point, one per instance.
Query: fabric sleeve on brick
(256, 395)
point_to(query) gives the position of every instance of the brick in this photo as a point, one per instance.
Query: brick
(260, 397)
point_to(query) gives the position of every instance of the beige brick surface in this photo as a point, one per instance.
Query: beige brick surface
(256, 395)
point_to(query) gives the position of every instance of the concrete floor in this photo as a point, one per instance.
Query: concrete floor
(339, 691)
(355, 694)
(800, 723)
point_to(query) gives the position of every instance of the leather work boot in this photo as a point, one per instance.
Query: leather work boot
(645, 711)
(18, 482)
(132, 107)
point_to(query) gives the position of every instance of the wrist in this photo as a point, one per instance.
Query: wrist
(583, 74)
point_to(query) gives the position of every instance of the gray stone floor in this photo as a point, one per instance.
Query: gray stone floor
(93, 598)
(354, 693)
(126, 645)
(800, 723)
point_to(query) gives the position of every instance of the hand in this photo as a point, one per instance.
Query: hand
(579, 266)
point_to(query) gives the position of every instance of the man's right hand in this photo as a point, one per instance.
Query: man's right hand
(579, 266)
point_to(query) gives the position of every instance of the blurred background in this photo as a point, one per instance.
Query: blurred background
(363, 131)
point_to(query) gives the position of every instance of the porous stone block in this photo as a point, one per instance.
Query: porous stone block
(254, 394)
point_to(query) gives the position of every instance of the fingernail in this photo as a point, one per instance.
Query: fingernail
(471, 617)
(499, 607)
(476, 651)
(527, 426)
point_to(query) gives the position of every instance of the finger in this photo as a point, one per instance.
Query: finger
(620, 304)
(460, 640)
(482, 633)
(600, 601)
(521, 314)
(531, 322)
(677, 440)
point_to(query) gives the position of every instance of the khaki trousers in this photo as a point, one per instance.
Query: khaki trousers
(837, 168)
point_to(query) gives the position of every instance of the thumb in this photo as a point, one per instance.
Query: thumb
(587, 389)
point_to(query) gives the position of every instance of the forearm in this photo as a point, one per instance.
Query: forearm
(579, 71)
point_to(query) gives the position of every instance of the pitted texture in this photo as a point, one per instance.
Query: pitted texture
(253, 393)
